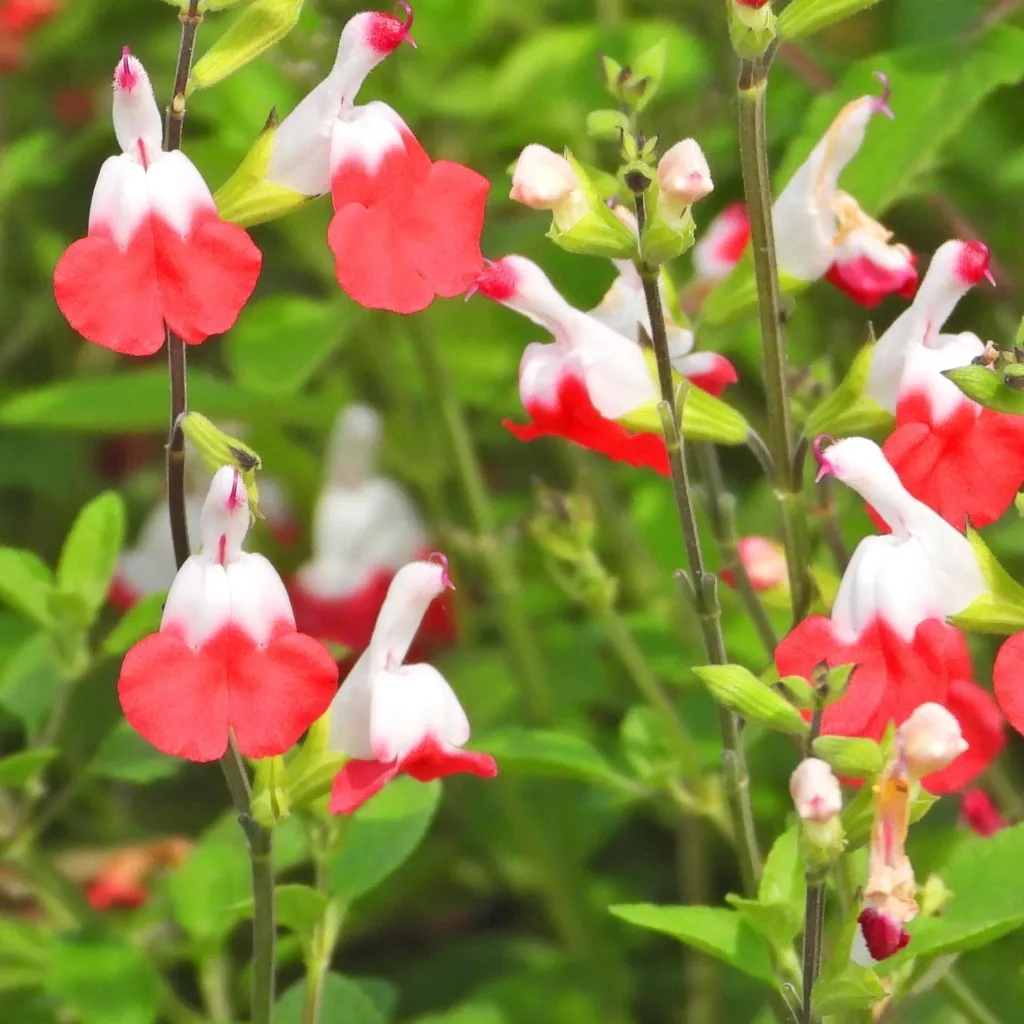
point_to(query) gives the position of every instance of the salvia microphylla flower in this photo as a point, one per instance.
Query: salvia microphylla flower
(888, 619)
(721, 244)
(764, 561)
(927, 742)
(365, 528)
(405, 229)
(391, 718)
(580, 384)
(545, 180)
(822, 232)
(227, 658)
(816, 792)
(965, 461)
(157, 252)
(18, 20)
(979, 813)
(684, 177)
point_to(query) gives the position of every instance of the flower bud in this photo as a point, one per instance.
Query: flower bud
(544, 180)
(751, 26)
(684, 175)
(815, 791)
(764, 561)
(930, 740)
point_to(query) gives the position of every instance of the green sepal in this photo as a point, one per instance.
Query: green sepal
(850, 755)
(799, 692)
(247, 198)
(664, 238)
(751, 29)
(990, 388)
(739, 689)
(1000, 609)
(847, 410)
(218, 449)
(270, 802)
(313, 768)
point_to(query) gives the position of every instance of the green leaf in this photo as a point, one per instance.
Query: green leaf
(650, 65)
(30, 679)
(987, 388)
(544, 752)
(782, 879)
(260, 26)
(851, 756)
(987, 884)
(804, 17)
(736, 295)
(344, 1000)
(607, 124)
(25, 942)
(89, 556)
(702, 416)
(851, 988)
(935, 91)
(846, 409)
(301, 908)
(383, 834)
(126, 757)
(105, 981)
(26, 584)
(16, 770)
(280, 342)
(739, 689)
(1001, 609)
(777, 923)
(721, 933)
(137, 400)
(138, 622)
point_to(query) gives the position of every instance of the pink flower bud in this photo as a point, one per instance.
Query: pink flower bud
(543, 180)
(764, 560)
(683, 174)
(754, 4)
(930, 739)
(815, 791)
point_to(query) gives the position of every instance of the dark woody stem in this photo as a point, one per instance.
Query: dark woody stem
(752, 88)
(702, 585)
(259, 838)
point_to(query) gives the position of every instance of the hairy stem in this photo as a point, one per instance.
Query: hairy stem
(814, 923)
(703, 586)
(235, 775)
(753, 84)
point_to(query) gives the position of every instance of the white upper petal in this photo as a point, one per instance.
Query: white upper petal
(414, 587)
(301, 155)
(177, 191)
(365, 136)
(410, 703)
(199, 601)
(348, 727)
(542, 368)
(259, 600)
(922, 373)
(889, 356)
(623, 306)
(136, 114)
(120, 200)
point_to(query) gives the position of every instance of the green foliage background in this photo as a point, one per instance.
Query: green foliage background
(500, 915)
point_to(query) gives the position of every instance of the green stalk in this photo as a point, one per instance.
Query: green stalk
(752, 89)
(963, 997)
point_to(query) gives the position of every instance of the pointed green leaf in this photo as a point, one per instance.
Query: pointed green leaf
(847, 410)
(30, 679)
(777, 923)
(739, 689)
(851, 756)
(804, 17)
(17, 770)
(721, 933)
(344, 1000)
(26, 584)
(260, 26)
(89, 556)
(139, 621)
(1001, 609)
(125, 756)
(851, 988)
(987, 388)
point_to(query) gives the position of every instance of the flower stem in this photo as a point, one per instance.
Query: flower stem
(963, 997)
(814, 922)
(752, 89)
(235, 775)
(702, 585)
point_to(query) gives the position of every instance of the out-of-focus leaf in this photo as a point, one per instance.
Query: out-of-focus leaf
(777, 923)
(280, 342)
(253, 31)
(851, 987)
(89, 556)
(30, 679)
(384, 833)
(105, 981)
(850, 755)
(139, 621)
(739, 689)
(545, 752)
(847, 410)
(18, 769)
(26, 584)
(125, 756)
(26, 161)
(987, 388)
(299, 907)
(804, 17)
(125, 402)
(25, 942)
(345, 1000)
(704, 417)
(721, 933)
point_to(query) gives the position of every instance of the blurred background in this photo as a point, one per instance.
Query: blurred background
(500, 913)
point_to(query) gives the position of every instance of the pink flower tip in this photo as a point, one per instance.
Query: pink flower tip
(437, 558)
(498, 281)
(387, 32)
(821, 455)
(128, 73)
(973, 263)
(881, 103)
(755, 4)
(236, 500)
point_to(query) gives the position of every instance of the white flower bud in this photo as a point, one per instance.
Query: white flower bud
(684, 175)
(815, 791)
(544, 180)
(930, 739)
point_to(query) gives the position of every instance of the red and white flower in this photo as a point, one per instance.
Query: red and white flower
(816, 792)
(579, 385)
(624, 310)
(822, 232)
(405, 229)
(391, 718)
(721, 244)
(889, 619)
(365, 528)
(227, 658)
(157, 254)
(764, 561)
(965, 461)
(545, 180)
